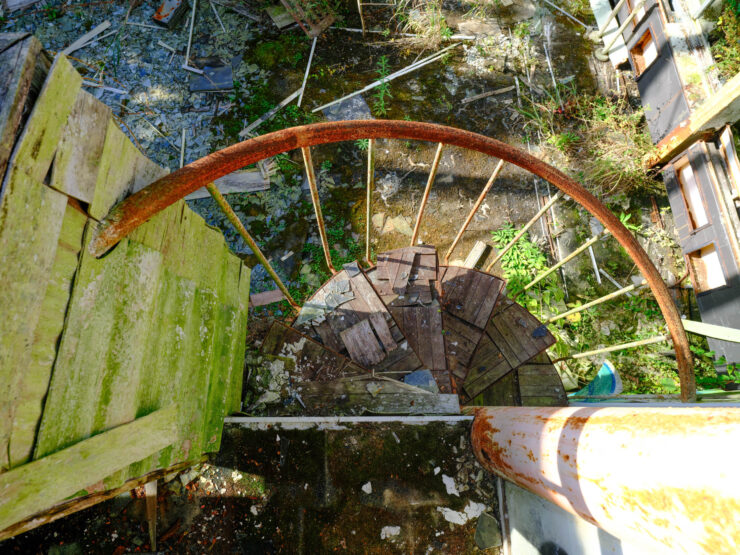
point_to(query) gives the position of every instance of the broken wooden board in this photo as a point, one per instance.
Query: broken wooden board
(518, 334)
(407, 276)
(34, 382)
(266, 297)
(487, 366)
(37, 144)
(313, 361)
(31, 216)
(345, 301)
(246, 181)
(77, 161)
(33, 487)
(540, 384)
(24, 70)
(468, 294)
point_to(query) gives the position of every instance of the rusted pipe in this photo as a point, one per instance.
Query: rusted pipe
(427, 190)
(224, 205)
(475, 208)
(139, 207)
(652, 475)
(306, 151)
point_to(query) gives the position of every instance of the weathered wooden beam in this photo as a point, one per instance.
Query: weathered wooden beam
(711, 330)
(72, 506)
(40, 484)
(721, 108)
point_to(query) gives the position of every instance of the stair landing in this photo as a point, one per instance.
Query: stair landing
(366, 329)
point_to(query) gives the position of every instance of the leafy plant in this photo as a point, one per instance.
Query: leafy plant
(725, 39)
(52, 13)
(382, 91)
(362, 144)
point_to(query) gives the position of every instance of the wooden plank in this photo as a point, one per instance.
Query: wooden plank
(117, 171)
(380, 325)
(540, 384)
(34, 381)
(33, 487)
(31, 216)
(487, 366)
(403, 272)
(377, 385)
(390, 403)
(425, 267)
(487, 304)
(711, 330)
(77, 161)
(476, 255)
(35, 149)
(503, 392)
(436, 337)
(328, 337)
(460, 339)
(410, 328)
(240, 339)
(361, 288)
(24, 70)
(362, 345)
(266, 297)
(522, 331)
(313, 361)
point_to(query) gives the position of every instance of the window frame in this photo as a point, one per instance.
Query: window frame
(641, 67)
(677, 167)
(699, 282)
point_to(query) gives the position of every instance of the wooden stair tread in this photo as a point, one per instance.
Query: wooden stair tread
(409, 312)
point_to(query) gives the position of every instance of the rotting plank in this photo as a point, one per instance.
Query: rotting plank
(487, 366)
(362, 345)
(34, 382)
(117, 171)
(388, 403)
(24, 69)
(380, 325)
(503, 392)
(526, 336)
(35, 486)
(540, 384)
(240, 340)
(35, 148)
(77, 161)
(313, 361)
(31, 217)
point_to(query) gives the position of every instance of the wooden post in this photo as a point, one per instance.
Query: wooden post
(630, 345)
(712, 330)
(317, 205)
(432, 175)
(150, 488)
(526, 227)
(568, 258)
(236, 222)
(370, 187)
(475, 208)
(598, 301)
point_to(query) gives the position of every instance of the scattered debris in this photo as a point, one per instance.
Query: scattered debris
(389, 532)
(367, 488)
(171, 13)
(450, 485)
(87, 37)
(487, 532)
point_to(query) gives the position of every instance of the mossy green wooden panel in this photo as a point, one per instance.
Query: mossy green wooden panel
(34, 487)
(35, 380)
(240, 342)
(35, 149)
(117, 171)
(77, 161)
(81, 376)
(31, 216)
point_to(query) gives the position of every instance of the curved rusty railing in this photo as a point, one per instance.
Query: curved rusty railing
(141, 206)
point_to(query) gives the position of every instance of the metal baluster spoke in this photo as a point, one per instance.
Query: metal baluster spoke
(475, 208)
(236, 222)
(600, 300)
(432, 175)
(317, 205)
(368, 201)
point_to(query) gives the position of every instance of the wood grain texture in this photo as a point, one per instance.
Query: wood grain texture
(20, 59)
(31, 217)
(34, 382)
(37, 144)
(362, 345)
(43, 483)
(77, 161)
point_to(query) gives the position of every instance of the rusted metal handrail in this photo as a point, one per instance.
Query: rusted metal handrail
(474, 210)
(139, 207)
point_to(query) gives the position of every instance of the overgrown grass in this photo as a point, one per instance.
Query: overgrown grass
(423, 18)
(604, 140)
(725, 40)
